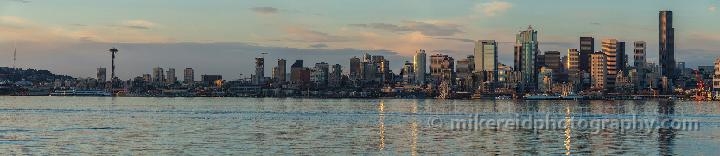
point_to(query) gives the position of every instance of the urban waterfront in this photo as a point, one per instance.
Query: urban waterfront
(207, 126)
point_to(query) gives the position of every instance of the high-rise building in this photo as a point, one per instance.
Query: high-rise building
(420, 64)
(640, 63)
(526, 50)
(171, 78)
(621, 58)
(355, 68)
(102, 75)
(716, 77)
(667, 45)
(299, 74)
(335, 77)
(408, 73)
(147, 77)
(486, 59)
(587, 47)
(610, 48)
(281, 71)
(573, 66)
(320, 74)
(441, 67)
(259, 71)
(552, 61)
(188, 75)
(158, 74)
(598, 70)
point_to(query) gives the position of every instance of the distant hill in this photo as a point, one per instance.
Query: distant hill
(32, 75)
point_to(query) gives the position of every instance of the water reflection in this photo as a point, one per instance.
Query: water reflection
(666, 134)
(247, 126)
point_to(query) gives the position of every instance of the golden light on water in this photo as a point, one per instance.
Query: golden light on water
(381, 109)
(567, 130)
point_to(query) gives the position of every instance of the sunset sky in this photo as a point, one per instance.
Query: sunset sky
(222, 36)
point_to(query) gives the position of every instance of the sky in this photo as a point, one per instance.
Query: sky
(71, 37)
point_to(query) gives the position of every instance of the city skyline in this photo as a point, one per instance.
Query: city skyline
(76, 46)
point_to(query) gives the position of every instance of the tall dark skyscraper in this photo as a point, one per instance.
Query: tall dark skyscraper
(587, 47)
(621, 57)
(667, 45)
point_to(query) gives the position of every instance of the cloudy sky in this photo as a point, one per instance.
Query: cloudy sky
(222, 36)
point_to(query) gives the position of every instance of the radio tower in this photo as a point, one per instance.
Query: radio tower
(113, 51)
(14, 57)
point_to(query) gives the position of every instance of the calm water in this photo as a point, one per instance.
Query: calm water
(214, 126)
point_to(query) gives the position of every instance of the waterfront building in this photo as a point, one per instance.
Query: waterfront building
(211, 79)
(408, 73)
(464, 71)
(553, 61)
(280, 73)
(158, 75)
(640, 62)
(587, 47)
(102, 75)
(716, 78)
(320, 74)
(335, 77)
(573, 66)
(598, 71)
(621, 57)
(420, 64)
(259, 71)
(610, 48)
(441, 67)
(171, 78)
(147, 77)
(526, 50)
(545, 79)
(299, 75)
(188, 75)
(486, 59)
(355, 66)
(666, 45)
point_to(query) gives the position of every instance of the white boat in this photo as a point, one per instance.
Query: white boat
(541, 97)
(573, 96)
(80, 93)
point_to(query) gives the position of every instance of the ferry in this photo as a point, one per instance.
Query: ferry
(573, 96)
(80, 93)
(541, 97)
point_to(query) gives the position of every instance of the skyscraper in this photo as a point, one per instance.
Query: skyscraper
(573, 66)
(486, 58)
(640, 63)
(441, 67)
(587, 47)
(259, 71)
(335, 77)
(598, 70)
(355, 68)
(610, 48)
(420, 64)
(158, 75)
(320, 74)
(621, 58)
(189, 75)
(102, 75)
(667, 45)
(526, 50)
(281, 71)
(171, 76)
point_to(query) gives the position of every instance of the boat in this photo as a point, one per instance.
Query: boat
(80, 93)
(503, 97)
(541, 97)
(573, 96)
